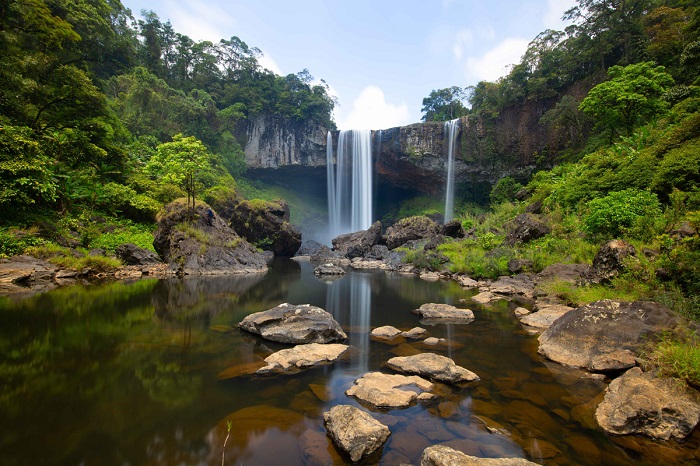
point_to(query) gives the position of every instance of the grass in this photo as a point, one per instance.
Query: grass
(679, 356)
(64, 257)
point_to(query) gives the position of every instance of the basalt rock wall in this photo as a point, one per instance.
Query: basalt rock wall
(414, 157)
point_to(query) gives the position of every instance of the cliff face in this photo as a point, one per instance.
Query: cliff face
(414, 157)
(273, 142)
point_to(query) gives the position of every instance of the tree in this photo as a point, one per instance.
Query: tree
(183, 161)
(632, 96)
(444, 104)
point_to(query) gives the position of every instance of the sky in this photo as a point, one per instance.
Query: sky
(379, 57)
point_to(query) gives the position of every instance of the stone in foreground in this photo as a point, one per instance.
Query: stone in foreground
(302, 356)
(355, 432)
(444, 313)
(300, 324)
(596, 332)
(639, 403)
(441, 455)
(390, 390)
(434, 367)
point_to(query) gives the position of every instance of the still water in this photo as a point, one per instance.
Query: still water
(140, 374)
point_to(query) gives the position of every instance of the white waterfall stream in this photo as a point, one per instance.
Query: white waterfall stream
(451, 128)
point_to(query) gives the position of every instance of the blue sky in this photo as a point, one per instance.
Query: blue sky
(380, 57)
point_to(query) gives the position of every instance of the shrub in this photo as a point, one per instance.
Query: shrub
(504, 190)
(679, 357)
(633, 212)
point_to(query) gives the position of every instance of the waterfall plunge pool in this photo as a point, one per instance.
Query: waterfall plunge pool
(126, 373)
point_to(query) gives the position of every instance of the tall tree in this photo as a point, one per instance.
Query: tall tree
(444, 104)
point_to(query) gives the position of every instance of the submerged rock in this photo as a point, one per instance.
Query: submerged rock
(586, 336)
(444, 313)
(355, 432)
(639, 403)
(390, 390)
(302, 356)
(442, 455)
(434, 367)
(288, 323)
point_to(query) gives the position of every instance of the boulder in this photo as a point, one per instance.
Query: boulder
(411, 228)
(131, 254)
(301, 357)
(610, 260)
(442, 455)
(590, 334)
(390, 390)
(525, 228)
(309, 247)
(544, 315)
(204, 245)
(570, 273)
(326, 256)
(355, 432)
(328, 269)
(522, 284)
(288, 323)
(432, 366)
(359, 243)
(453, 229)
(387, 332)
(640, 403)
(519, 265)
(444, 313)
(266, 224)
(21, 274)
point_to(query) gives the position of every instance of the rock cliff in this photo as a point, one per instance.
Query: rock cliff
(414, 157)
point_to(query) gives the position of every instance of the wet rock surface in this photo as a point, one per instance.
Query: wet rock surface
(433, 366)
(442, 455)
(640, 403)
(202, 246)
(444, 313)
(585, 336)
(390, 390)
(354, 431)
(288, 323)
(302, 356)
(328, 269)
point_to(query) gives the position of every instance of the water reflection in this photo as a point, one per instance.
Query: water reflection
(127, 374)
(350, 302)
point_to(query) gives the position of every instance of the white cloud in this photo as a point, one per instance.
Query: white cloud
(267, 62)
(494, 63)
(200, 20)
(463, 40)
(555, 10)
(370, 110)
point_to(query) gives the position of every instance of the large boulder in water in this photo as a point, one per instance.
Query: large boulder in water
(266, 224)
(640, 403)
(288, 323)
(605, 335)
(408, 229)
(355, 432)
(442, 455)
(432, 366)
(359, 243)
(204, 244)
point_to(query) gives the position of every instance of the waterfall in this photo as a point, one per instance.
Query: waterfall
(451, 128)
(349, 182)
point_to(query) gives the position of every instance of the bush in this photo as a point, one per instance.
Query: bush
(632, 212)
(504, 191)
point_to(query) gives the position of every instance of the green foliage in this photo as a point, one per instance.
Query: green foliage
(26, 172)
(504, 190)
(124, 232)
(64, 257)
(468, 257)
(679, 356)
(632, 96)
(444, 104)
(632, 212)
(15, 242)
